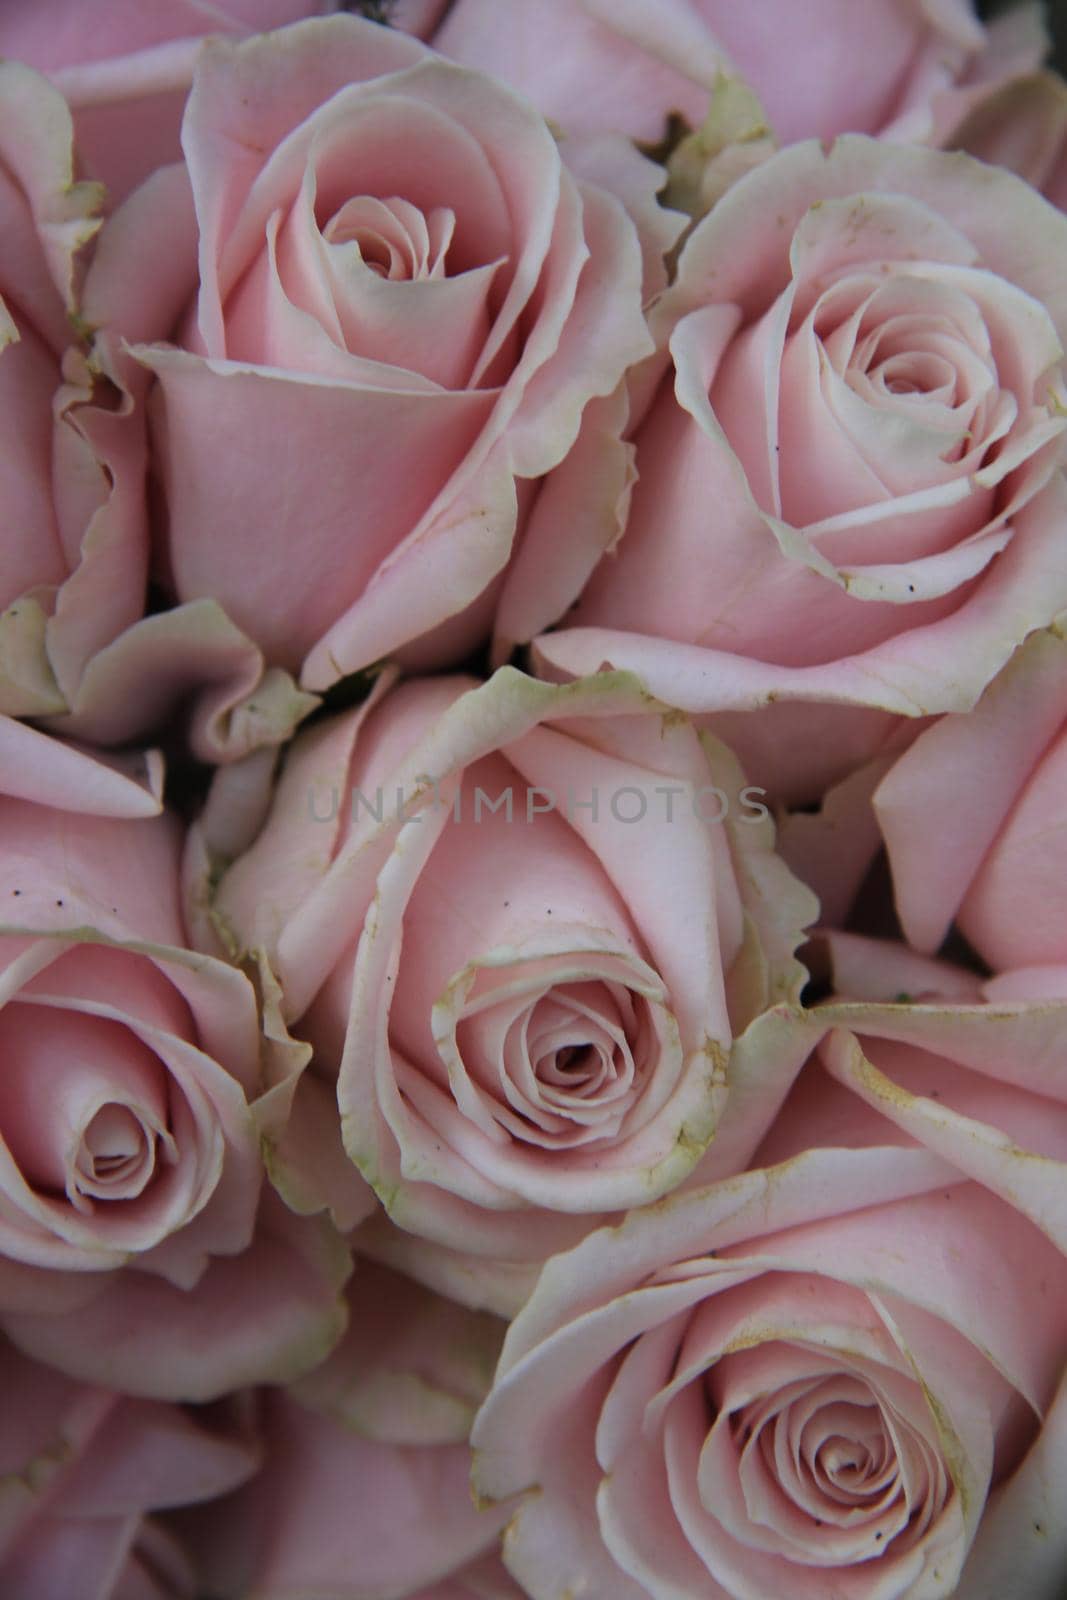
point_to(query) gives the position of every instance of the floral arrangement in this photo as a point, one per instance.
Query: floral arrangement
(533, 801)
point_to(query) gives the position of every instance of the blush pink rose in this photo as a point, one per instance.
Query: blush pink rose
(525, 976)
(807, 1379)
(974, 821)
(82, 1472)
(364, 1493)
(848, 496)
(129, 1063)
(628, 64)
(405, 300)
(73, 548)
(130, 1170)
(75, 648)
(125, 69)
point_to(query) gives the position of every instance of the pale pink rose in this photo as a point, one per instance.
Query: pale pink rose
(848, 493)
(125, 68)
(364, 1492)
(130, 1170)
(130, 1063)
(805, 1380)
(82, 1470)
(974, 820)
(73, 548)
(629, 64)
(267, 1315)
(525, 978)
(404, 304)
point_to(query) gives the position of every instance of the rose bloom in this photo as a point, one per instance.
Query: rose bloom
(364, 1492)
(125, 69)
(596, 64)
(82, 1470)
(133, 1245)
(378, 328)
(848, 493)
(973, 817)
(130, 1062)
(805, 1380)
(525, 971)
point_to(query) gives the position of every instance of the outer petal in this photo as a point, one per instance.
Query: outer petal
(759, 217)
(941, 665)
(1021, 1541)
(412, 1367)
(136, 682)
(35, 767)
(971, 770)
(209, 411)
(579, 515)
(37, 140)
(344, 1515)
(1014, 1143)
(265, 1316)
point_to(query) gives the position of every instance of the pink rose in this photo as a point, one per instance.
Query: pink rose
(364, 1492)
(973, 817)
(805, 1380)
(83, 1471)
(628, 64)
(405, 300)
(848, 492)
(125, 68)
(521, 926)
(130, 1062)
(130, 1170)
(73, 550)
(74, 547)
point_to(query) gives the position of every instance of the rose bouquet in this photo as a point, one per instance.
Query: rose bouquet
(533, 801)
